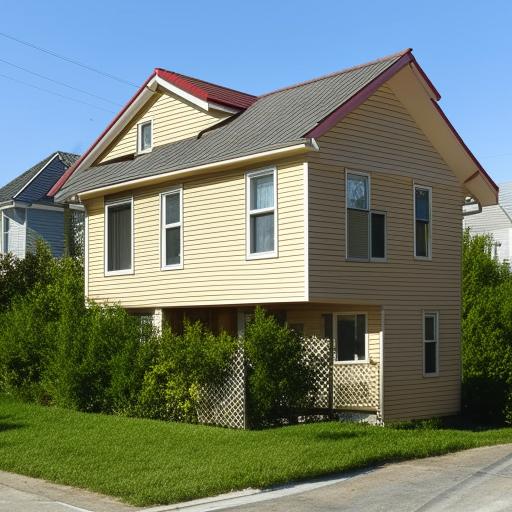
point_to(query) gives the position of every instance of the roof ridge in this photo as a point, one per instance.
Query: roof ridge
(205, 81)
(340, 72)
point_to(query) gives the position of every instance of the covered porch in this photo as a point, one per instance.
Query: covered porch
(348, 337)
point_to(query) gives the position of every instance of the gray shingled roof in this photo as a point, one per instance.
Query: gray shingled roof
(13, 188)
(274, 121)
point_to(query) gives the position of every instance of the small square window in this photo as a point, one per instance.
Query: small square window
(145, 137)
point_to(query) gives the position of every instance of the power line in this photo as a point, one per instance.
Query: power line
(55, 93)
(67, 59)
(58, 82)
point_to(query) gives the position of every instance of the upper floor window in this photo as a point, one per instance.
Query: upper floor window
(144, 136)
(261, 200)
(366, 229)
(172, 229)
(119, 237)
(5, 233)
(430, 344)
(422, 222)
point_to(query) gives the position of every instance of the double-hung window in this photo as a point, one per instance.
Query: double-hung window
(351, 337)
(172, 229)
(119, 237)
(422, 222)
(366, 229)
(144, 136)
(430, 344)
(261, 200)
(5, 233)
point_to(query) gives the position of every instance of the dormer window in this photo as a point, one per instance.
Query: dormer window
(145, 137)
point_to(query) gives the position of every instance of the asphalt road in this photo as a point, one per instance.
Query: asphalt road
(474, 480)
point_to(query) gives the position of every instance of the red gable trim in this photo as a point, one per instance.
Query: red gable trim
(207, 91)
(62, 180)
(481, 170)
(358, 98)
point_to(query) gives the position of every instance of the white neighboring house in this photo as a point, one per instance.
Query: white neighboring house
(496, 221)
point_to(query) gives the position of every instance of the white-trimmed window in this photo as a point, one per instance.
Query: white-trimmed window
(422, 222)
(366, 229)
(430, 343)
(351, 337)
(4, 245)
(119, 237)
(172, 229)
(145, 136)
(261, 201)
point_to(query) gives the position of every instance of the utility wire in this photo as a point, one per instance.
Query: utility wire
(55, 93)
(58, 82)
(67, 59)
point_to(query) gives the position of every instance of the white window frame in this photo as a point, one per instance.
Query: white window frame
(249, 213)
(3, 250)
(109, 204)
(178, 189)
(140, 124)
(366, 336)
(434, 314)
(370, 211)
(415, 187)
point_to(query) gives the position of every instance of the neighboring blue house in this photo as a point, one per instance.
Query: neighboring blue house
(27, 214)
(496, 221)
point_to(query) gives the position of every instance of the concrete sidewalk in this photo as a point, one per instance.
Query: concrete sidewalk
(473, 480)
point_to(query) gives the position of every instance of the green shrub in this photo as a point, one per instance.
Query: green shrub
(486, 332)
(184, 364)
(281, 377)
(19, 276)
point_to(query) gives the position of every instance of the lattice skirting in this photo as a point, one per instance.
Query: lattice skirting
(224, 405)
(356, 385)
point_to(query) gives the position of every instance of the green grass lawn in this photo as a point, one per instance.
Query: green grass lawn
(149, 462)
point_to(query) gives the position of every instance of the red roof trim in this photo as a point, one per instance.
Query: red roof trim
(468, 151)
(62, 180)
(426, 78)
(207, 91)
(359, 97)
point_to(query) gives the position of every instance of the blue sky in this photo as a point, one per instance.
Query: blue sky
(464, 47)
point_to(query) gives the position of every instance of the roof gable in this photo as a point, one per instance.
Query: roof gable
(34, 184)
(287, 117)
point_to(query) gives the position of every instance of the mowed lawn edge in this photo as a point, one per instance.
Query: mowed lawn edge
(146, 462)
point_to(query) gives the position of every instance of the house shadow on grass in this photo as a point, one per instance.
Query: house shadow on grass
(6, 424)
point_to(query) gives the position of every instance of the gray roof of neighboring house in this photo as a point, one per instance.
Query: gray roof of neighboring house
(12, 189)
(276, 120)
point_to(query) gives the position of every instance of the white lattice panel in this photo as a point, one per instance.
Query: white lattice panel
(356, 385)
(319, 354)
(224, 405)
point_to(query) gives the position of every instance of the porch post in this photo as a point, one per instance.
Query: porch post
(381, 366)
(157, 319)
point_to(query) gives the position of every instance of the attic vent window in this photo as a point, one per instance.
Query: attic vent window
(145, 137)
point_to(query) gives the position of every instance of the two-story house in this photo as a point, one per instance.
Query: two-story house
(28, 214)
(336, 203)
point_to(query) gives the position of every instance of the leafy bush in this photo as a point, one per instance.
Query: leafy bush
(184, 364)
(55, 348)
(486, 332)
(281, 378)
(20, 276)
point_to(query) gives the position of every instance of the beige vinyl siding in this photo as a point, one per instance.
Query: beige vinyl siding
(215, 268)
(382, 139)
(173, 119)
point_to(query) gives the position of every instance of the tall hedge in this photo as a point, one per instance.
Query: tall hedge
(486, 332)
